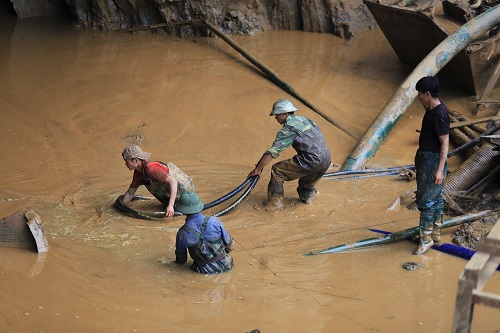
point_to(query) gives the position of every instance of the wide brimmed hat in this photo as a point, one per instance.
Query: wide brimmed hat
(282, 106)
(134, 151)
(189, 203)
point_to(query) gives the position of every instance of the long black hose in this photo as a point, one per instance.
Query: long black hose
(240, 199)
(228, 196)
(157, 215)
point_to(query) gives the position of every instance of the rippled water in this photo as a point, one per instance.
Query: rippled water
(71, 100)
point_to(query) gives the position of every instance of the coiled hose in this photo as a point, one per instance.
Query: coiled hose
(154, 216)
(472, 170)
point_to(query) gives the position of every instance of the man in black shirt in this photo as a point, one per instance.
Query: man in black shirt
(430, 163)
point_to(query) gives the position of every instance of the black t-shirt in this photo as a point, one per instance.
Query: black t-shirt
(436, 122)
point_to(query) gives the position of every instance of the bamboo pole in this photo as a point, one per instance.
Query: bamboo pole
(268, 72)
(476, 127)
(471, 134)
(474, 121)
(273, 76)
(473, 142)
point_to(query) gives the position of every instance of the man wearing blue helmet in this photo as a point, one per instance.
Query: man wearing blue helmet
(309, 164)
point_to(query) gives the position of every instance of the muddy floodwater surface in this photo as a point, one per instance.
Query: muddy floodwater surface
(71, 100)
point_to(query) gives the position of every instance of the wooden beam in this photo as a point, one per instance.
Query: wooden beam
(474, 121)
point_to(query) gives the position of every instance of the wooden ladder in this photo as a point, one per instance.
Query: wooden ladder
(473, 279)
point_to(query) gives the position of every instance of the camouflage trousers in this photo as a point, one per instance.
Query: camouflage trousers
(288, 170)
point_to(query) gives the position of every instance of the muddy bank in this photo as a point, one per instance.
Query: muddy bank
(247, 17)
(470, 234)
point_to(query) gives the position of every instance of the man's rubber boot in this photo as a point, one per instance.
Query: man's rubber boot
(426, 227)
(274, 203)
(306, 196)
(438, 225)
(275, 193)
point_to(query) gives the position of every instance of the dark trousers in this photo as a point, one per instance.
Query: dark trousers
(288, 170)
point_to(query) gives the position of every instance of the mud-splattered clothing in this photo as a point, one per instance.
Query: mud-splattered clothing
(429, 195)
(430, 202)
(306, 138)
(221, 243)
(154, 175)
(309, 165)
(151, 171)
(436, 122)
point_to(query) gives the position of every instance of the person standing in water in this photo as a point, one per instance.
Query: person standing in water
(204, 237)
(165, 181)
(309, 164)
(431, 163)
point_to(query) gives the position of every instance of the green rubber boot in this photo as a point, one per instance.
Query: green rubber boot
(438, 225)
(426, 227)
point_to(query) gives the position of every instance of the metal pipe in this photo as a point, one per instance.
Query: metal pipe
(363, 171)
(397, 236)
(406, 93)
(389, 173)
(454, 250)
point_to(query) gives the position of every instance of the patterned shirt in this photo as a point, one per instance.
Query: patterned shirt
(286, 136)
(307, 140)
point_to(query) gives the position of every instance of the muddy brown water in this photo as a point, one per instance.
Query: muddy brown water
(71, 100)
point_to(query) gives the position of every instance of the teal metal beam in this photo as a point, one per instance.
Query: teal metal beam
(406, 93)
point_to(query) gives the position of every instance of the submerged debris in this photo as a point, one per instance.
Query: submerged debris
(410, 265)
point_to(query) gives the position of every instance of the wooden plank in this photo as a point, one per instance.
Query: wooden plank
(490, 246)
(474, 266)
(475, 276)
(464, 306)
(495, 231)
(474, 121)
(487, 270)
(487, 299)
